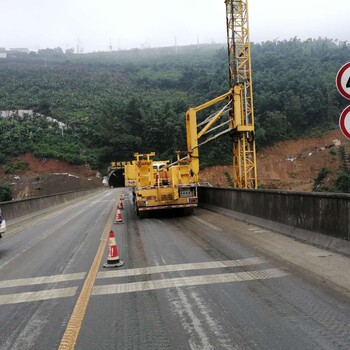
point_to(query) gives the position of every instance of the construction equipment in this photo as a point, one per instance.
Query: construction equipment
(239, 108)
(159, 185)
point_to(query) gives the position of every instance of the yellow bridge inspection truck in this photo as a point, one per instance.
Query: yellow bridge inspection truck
(159, 185)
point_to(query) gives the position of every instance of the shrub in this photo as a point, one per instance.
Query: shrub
(21, 165)
(342, 159)
(9, 169)
(228, 179)
(332, 152)
(342, 182)
(5, 193)
(3, 158)
(320, 178)
(13, 167)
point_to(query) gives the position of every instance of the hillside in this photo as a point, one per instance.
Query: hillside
(102, 107)
(116, 103)
(290, 165)
(47, 176)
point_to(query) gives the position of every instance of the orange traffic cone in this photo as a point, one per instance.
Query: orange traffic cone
(118, 217)
(120, 204)
(113, 255)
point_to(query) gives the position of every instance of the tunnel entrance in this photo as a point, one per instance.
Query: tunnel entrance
(116, 178)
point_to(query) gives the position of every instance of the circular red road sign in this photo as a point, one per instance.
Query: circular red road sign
(343, 80)
(344, 122)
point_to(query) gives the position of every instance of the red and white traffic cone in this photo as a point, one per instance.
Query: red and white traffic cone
(118, 217)
(120, 204)
(113, 255)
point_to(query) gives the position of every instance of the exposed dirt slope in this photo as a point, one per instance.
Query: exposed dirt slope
(290, 165)
(47, 176)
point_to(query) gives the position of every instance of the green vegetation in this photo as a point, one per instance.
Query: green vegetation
(5, 193)
(319, 181)
(342, 182)
(116, 103)
(343, 166)
(229, 179)
(13, 167)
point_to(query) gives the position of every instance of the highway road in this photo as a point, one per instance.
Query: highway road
(188, 282)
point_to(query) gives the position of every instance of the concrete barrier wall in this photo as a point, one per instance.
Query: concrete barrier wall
(326, 213)
(15, 209)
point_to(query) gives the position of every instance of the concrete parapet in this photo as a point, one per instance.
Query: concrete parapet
(15, 209)
(324, 213)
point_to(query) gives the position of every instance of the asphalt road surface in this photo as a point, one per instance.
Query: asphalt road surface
(188, 282)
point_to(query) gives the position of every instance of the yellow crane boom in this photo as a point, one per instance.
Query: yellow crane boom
(240, 111)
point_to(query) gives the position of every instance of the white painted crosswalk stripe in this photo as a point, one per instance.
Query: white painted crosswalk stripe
(142, 285)
(187, 281)
(42, 280)
(181, 267)
(37, 296)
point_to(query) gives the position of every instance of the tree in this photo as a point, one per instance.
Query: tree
(276, 126)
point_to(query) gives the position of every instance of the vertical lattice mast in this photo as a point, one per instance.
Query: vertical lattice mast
(240, 79)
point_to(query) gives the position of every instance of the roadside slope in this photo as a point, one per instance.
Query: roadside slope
(292, 164)
(47, 176)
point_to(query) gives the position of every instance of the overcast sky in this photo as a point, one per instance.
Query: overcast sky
(125, 24)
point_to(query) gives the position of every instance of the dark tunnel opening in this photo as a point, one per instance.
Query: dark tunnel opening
(116, 178)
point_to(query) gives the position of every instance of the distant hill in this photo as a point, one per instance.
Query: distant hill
(116, 103)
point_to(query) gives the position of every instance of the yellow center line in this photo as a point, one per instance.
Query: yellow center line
(71, 333)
